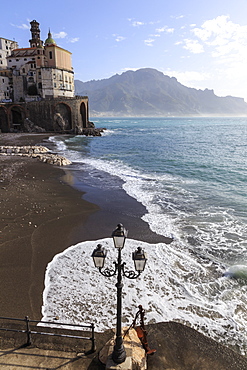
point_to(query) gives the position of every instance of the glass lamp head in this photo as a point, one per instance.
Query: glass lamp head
(99, 256)
(139, 257)
(119, 235)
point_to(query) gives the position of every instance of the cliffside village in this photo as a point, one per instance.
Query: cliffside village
(42, 70)
(37, 88)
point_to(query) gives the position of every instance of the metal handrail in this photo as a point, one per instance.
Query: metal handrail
(29, 332)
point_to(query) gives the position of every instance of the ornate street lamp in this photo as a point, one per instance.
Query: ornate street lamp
(139, 257)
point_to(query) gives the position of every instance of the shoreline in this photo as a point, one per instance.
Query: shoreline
(38, 215)
(42, 215)
(115, 206)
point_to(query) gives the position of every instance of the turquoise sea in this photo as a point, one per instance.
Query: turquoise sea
(191, 176)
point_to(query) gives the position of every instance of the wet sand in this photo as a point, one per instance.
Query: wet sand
(38, 214)
(41, 215)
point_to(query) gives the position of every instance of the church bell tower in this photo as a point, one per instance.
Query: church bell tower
(35, 32)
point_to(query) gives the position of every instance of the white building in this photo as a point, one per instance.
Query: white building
(6, 47)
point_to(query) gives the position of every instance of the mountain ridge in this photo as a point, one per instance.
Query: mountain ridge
(148, 92)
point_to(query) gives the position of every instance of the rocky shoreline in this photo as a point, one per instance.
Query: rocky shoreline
(40, 152)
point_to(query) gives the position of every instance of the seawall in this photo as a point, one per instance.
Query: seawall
(52, 115)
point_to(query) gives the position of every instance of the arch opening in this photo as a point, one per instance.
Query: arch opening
(17, 119)
(83, 112)
(32, 90)
(4, 127)
(62, 118)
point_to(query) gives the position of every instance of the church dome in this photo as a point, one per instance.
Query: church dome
(50, 40)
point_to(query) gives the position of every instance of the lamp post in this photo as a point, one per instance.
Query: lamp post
(139, 257)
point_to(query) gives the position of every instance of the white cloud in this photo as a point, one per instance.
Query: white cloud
(161, 29)
(219, 26)
(177, 16)
(23, 26)
(137, 24)
(219, 79)
(220, 46)
(152, 37)
(165, 29)
(149, 42)
(74, 39)
(170, 30)
(64, 35)
(188, 77)
(60, 35)
(193, 79)
(223, 37)
(193, 46)
(153, 22)
(118, 38)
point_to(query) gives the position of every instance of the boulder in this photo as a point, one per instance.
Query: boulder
(39, 152)
(29, 126)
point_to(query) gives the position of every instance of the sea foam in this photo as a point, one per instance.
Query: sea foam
(172, 287)
(182, 281)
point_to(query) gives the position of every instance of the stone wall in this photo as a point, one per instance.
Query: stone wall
(53, 115)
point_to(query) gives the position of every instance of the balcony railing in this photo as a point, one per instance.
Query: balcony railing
(49, 328)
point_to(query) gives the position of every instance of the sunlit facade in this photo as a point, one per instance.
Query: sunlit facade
(41, 71)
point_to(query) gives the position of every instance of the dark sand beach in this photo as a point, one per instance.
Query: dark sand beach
(38, 215)
(41, 215)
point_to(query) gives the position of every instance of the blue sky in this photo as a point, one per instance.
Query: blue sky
(201, 43)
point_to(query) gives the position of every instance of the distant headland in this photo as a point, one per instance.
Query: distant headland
(148, 92)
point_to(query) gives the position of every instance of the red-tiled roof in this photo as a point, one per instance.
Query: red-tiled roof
(24, 49)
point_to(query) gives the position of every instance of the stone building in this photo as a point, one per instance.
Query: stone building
(6, 47)
(37, 83)
(43, 70)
